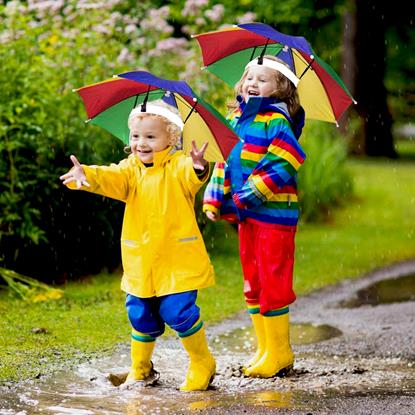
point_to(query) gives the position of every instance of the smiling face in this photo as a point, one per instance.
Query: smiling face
(148, 135)
(260, 81)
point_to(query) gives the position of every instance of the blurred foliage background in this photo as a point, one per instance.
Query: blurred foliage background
(48, 48)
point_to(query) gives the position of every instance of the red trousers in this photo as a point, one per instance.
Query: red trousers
(267, 258)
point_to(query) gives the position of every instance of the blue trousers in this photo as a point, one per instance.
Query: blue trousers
(149, 315)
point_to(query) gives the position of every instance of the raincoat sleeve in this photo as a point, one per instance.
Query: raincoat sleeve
(217, 188)
(190, 180)
(278, 166)
(110, 181)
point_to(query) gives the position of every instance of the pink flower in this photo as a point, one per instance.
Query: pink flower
(125, 56)
(131, 28)
(193, 7)
(246, 18)
(102, 29)
(156, 21)
(172, 44)
(49, 6)
(216, 13)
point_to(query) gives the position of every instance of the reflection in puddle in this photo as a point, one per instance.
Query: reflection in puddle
(262, 398)
(243, 339)
(272, 399)
(384, 292)
(202, 402)
(312, 333)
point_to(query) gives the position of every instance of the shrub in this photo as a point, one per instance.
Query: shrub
(45, 230)
(324, 181)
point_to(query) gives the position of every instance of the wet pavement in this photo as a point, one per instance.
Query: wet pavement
(355, 354)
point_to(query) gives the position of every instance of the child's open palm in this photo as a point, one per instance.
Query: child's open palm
(76, 174)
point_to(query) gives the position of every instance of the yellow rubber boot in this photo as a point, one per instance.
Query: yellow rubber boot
(278, 355)
(258, 323)
(202, 366)
(142, 346)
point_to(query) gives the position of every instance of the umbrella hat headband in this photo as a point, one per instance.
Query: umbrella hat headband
(277, 66)
(157, 110)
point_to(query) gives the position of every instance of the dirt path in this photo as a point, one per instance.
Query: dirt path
(369, 366)
(348, 360)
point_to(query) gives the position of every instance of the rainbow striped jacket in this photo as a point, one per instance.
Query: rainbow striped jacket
(258, 182)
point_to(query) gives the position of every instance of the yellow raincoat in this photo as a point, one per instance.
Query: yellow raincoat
(162, 249)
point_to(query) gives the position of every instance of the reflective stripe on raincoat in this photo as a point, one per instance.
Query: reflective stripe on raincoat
(162, 248)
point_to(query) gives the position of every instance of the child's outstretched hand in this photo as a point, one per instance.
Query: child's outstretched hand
(199, 162)
(76, 174)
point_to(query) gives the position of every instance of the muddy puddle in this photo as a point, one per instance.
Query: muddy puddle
(243, 339)
(87, 390)
(384, 292)
(346, 357)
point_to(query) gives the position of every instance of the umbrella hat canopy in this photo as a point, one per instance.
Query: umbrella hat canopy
(226, 52)
(109, 103)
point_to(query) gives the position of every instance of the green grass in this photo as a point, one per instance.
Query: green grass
(374, 229)
(89, 319)
(406, 148)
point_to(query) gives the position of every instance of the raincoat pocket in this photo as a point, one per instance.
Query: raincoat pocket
(132, 258)
(187, 264)
(189, 252)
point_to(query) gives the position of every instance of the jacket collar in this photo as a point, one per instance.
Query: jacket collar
(263, 104)
(160, 157)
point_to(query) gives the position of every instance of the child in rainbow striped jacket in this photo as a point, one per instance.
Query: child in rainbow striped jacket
(257, 188)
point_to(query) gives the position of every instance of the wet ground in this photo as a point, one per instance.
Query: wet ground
(355, 354)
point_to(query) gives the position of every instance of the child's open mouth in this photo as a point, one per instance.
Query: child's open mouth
(253, 93)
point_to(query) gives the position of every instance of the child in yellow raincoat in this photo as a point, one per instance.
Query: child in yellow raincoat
(163, 254)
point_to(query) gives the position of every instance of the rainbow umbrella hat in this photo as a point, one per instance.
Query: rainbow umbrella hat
(226, 52)
(109, 103)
